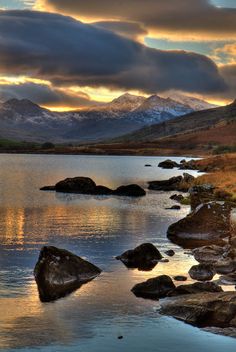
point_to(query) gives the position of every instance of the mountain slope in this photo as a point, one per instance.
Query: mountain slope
(195, 121)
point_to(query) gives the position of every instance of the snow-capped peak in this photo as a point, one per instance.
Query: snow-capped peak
(195, 103)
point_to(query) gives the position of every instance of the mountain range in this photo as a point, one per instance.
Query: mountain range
(192, 123)
(25, 120)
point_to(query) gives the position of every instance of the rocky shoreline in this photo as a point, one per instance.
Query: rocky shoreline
(208, 230)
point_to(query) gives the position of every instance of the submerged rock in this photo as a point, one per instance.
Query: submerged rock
(155, 288)
(48, 188)
(59, 272)
(168, 164)
(196, 287)
(85, 185)
(177, 197)
(208, 224)
(180, 278)
(203, 309)
(143, 257)
(202, 272)
(174, 207)
(170, 252)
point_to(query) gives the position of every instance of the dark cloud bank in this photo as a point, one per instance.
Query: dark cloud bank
(68, 52)
(176, 15)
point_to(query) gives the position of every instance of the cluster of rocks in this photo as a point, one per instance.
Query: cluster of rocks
(85, 185)
(176, 183)
(183, 165)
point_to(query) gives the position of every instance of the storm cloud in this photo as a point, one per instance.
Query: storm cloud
(43, 94)
(68, 52)
(183, 16)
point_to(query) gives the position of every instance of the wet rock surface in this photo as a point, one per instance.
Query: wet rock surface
(196, 287)
(144, 257)
(208, 254)
(85, 185)
(209, 223)
(176, 183)
(203, 309)
(59, 272)
(155, 288)
(202, 272)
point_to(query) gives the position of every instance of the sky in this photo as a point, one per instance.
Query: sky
(71, 54)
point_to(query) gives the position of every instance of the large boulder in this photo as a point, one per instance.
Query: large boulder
(59, 272)
(82, 185)
(155, 288)
(196, 287)
(168, 164)
(143, 257)
(203, 309)
(202, 272)
(130, 191)
(209, 223)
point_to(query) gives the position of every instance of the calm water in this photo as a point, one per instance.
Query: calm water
(96, 228)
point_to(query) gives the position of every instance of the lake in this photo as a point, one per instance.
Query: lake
(98, 229)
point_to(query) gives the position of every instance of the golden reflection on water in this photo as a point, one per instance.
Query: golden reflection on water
(14, 220)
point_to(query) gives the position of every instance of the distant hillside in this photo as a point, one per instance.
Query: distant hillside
(193, 122)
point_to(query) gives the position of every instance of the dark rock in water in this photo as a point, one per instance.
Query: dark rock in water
(177, 197)
(201, 194)
(155, 288)
(102, 190)
(143, 257)
(170, 253)
(225, 266)
(130, 191)
(166, 185)
(203, 309)
(208, 224)
(59, 272)
(82, 185)
(180, 278)
(164, 260)
(148, 165)
(176, 183)
(48, 188)
(174, 207)
(188, 165)
(85, 185)
(208, 254)
(229, 279)
(168, 164)
(182, 161)
(196, 287)
(202, 272)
